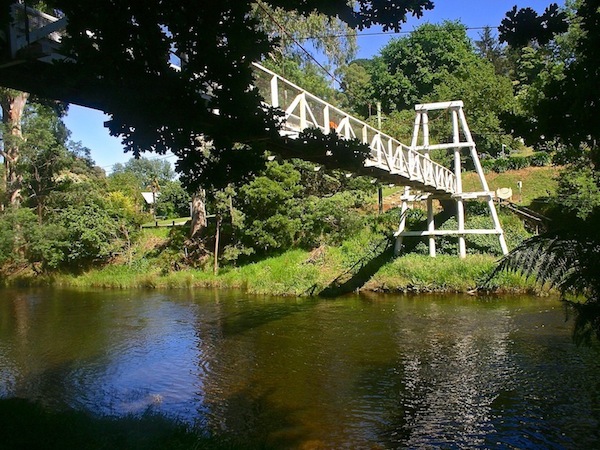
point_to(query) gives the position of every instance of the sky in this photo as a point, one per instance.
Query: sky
(87, 125)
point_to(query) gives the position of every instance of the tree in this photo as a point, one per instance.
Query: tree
(13, 103)
(358, 88)
(43, 156)
(436, 63)
(489, 48)
(120, 61)
(521, 27)
(568, 257)
(146, 171)
(410, 67)
(327, 34)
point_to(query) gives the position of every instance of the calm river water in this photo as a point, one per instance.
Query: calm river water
(354, 372)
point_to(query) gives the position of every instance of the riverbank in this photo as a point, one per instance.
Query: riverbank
(157, 260)
(300, 273)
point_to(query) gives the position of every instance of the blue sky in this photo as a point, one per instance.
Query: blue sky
(87, 125)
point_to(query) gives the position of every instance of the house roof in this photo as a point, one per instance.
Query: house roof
(149, 198)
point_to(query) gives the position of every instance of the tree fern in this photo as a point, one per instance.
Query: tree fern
(569, 261)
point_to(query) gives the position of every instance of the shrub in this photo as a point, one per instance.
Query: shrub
(488, 165)
(518, 162)
(540, 159)
(501, 165)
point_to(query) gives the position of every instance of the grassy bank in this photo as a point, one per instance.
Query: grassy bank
(446, 273)
(293, 273)
(296, 273)
(537, 182)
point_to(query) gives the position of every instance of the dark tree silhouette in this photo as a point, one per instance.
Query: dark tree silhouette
(567, 258)
(120, 60)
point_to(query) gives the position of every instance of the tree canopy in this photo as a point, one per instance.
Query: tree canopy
(121, 56)
(562, 105)
(437, 62)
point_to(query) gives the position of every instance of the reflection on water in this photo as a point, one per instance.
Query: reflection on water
(360, 371)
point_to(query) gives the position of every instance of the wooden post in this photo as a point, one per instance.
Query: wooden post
(402, 226)
(380, 198)
(484, 185)
(460, 209)
(430, 226)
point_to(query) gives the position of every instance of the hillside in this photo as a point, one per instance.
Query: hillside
(537, 182)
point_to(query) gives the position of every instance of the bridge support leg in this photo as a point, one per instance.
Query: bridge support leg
(430, 226)
(497, 226)
(402, 226)
(460, 218)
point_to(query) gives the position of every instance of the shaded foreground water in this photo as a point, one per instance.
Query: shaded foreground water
(353, 372)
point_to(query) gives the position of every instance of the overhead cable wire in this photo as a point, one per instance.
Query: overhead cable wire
(389, 33)
(268, 13)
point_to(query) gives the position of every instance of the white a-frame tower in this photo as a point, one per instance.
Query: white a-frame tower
(460, 141)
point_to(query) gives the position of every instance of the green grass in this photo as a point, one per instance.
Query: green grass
(296, 273)
(287, 274)
(537, 182)
(167, 222)
(444, 273)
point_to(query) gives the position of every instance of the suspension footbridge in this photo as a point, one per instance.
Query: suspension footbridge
(38, 36)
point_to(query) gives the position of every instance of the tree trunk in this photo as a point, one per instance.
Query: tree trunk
(13, 103)
(198, 214)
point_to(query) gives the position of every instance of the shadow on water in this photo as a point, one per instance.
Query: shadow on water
(29, 426)
(246, 319)
(254, 419)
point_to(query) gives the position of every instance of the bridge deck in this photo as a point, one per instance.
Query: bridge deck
(388, 156)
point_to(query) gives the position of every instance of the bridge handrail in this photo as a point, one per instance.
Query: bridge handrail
(37, 26)
(387, 153)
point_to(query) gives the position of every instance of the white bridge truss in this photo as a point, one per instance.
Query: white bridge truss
(304, 110)
(412, 164)
(34, 34)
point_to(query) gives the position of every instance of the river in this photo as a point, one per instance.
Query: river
(361, 371)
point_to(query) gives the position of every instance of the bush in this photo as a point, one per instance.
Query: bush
(488, 165)
(501, 165)
(540, 159)
(518, 162)
(328, 220)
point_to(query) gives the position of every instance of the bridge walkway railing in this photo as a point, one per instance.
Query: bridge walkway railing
(304, 110)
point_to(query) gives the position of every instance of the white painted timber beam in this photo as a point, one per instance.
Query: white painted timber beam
(445, 232)
(439, 105)
(474, 195)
